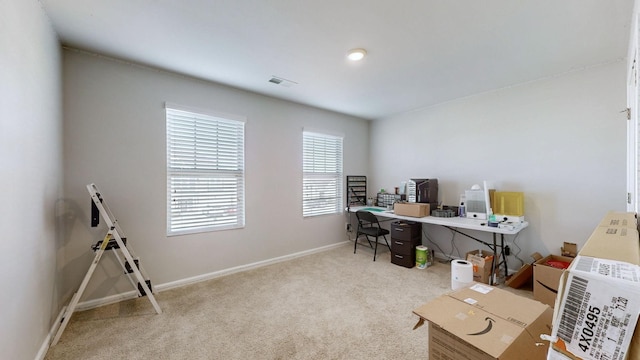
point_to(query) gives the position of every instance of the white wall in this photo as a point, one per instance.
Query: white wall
(559, 140)
(31, 180)
(115, 137)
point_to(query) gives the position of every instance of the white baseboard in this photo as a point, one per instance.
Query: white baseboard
(233, 270)
(90, 304)
(86, 305)
(52, 332)
(44, 348)
(107, 300)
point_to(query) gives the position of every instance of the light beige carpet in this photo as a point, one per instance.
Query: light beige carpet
(331, 305)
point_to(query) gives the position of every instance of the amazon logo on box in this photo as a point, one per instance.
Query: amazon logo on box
(483, 322)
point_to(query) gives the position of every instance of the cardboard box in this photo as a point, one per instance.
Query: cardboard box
(546, 279)
(613, 243)
(482, 322)
(619, 219)
(596, 316)
(481, 265)
(524, 276)
(411, 209)
(569, 249)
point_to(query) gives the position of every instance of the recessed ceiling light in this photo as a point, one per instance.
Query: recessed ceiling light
(356, 54)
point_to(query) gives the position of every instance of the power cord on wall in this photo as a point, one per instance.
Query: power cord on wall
(515, 254)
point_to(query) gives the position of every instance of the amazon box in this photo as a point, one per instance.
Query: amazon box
(482, 322)
(596, 316)
(546, 278)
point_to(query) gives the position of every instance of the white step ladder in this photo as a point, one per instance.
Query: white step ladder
(116, 241)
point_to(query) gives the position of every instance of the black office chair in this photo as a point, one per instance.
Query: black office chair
(368, 225)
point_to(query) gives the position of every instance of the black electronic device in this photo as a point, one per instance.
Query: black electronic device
(423, 191)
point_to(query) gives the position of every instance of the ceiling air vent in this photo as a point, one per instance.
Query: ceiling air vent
(282, 82)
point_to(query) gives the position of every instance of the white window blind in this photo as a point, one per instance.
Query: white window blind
(322, 174)
(205, 172)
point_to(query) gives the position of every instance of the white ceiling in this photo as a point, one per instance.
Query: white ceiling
(420, 52)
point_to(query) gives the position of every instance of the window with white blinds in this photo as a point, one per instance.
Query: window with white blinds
(205, 172)
(322, 174)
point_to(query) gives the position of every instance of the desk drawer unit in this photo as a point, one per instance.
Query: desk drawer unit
(405, 236)
(406, 230)
(405, 260)
(405, 247)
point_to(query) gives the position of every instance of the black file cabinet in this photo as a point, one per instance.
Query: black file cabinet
(405, 236)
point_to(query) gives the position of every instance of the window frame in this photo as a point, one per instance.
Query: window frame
(326, 172)
(211, 159)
